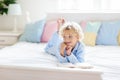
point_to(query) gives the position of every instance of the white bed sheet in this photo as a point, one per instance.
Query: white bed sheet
(106, 58)
(27, 54)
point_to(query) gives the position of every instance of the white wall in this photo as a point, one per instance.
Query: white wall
(36, 8)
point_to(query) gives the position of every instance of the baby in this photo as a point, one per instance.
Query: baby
(67, 45)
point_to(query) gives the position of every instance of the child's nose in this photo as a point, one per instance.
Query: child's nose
(66, 39)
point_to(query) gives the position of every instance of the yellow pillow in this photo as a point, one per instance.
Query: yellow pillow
(90, 38)
(119, 38)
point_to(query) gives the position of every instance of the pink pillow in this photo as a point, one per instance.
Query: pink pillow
(49, 29)
(83, 25)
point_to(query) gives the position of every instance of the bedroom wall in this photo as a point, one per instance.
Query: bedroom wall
(37, 9)
(77, 17)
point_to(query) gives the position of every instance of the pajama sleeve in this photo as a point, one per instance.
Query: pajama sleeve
(77, 55)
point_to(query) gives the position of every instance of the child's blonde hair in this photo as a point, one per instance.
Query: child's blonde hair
(72, 26)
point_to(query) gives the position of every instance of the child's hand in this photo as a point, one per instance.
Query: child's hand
(68, 50)
(62, 48)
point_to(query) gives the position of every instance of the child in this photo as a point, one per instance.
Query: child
(70, 49)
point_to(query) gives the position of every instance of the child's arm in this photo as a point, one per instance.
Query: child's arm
(78, 56)
(62, 49)
(53, 44)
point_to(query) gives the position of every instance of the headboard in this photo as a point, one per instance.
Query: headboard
(84, 16)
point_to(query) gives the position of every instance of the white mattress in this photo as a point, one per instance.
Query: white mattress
(107, 58)
(26, 54)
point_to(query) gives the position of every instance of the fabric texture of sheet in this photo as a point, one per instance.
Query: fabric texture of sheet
(28, 54)
(106, 58)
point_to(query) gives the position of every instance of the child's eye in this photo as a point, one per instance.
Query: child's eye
(63, 37)
(70, 37)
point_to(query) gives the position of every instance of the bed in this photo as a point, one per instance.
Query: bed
(28, 61)
(107, 59)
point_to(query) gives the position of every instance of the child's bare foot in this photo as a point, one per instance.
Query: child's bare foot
(60, 22)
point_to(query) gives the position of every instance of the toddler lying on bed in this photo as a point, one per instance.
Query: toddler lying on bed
(66, 45)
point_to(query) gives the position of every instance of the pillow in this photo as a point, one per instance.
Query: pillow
(83, 25)
(33, 32)
(93, 27)
(119, 38)
(90, 33)
(108, 33)
(49, 29)
(89, 38)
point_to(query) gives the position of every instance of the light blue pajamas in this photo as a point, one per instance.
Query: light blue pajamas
(53, 48)
(53, 44)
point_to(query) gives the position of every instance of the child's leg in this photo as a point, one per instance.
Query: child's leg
(60, 22)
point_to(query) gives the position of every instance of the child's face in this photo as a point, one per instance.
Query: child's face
(70, 38)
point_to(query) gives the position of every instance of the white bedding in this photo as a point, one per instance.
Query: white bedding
(107, 58)
(26, 54)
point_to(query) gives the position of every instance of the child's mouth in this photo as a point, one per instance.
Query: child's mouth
(67, 43)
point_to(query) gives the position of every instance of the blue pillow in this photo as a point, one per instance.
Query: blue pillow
(93, 27)
(33, 32)
(108, 33)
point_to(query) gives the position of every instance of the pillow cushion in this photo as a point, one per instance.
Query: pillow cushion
(83, 25)
(90, 33)
(119, 38)
(93, 27)
(33, 32)
(90, 38)
(49, 29)
(108, 33)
